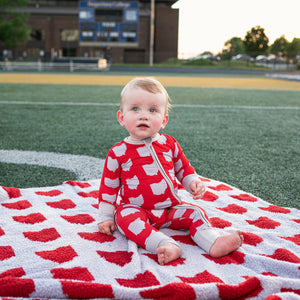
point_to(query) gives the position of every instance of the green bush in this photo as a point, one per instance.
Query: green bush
(199, 62)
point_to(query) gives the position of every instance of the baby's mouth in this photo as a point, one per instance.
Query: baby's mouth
(143, 126)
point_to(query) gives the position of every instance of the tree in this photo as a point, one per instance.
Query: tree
(293, 49)
(233, 47)
(14, 30)
(256, 42)
(280, 46)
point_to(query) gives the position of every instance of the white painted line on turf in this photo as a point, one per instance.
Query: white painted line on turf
(235, 106)
(60, 103)
(173, 105)
(85, 167)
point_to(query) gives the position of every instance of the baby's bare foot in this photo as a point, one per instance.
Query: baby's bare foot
(168, 252)
(225, 244)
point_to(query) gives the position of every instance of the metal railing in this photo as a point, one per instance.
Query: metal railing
(40, 66)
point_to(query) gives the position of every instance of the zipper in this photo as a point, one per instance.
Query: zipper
(148, 143)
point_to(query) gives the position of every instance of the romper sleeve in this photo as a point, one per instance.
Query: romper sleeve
(109, 188)
(184, 172)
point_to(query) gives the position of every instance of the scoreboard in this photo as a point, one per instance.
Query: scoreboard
(108, 23)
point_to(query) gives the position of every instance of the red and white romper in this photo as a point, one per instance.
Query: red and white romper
(143, 174)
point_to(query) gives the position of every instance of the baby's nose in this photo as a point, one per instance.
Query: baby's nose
(143, 115)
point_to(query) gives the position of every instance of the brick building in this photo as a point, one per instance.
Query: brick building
(57, 32)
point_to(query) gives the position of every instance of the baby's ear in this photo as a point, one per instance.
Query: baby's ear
(165, 121)
(120, 118)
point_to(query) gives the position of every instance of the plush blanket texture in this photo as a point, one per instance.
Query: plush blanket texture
(50, 248)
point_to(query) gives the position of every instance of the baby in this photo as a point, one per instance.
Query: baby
(143, 169)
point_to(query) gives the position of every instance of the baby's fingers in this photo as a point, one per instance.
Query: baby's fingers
(112, 228)
(106, 228)
(199, 191)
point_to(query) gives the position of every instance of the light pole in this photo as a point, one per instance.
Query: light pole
(152, 18)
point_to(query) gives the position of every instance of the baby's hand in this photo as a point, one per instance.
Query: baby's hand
(198, 189)
(107, 227)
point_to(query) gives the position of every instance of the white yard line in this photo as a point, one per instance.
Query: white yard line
(235, 106)
(173, 105)
(60, 103)
(85, 167)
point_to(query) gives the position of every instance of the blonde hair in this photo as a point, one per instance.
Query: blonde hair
(148, 84)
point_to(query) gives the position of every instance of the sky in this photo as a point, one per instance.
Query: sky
(205, 25)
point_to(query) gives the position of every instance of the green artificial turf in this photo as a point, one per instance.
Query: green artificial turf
(254, 149)
(179, 95)
(22, 175)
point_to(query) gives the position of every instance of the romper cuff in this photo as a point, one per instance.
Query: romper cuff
(106, 212)
(187, 181)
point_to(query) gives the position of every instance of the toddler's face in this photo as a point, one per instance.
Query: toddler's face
(143, 113)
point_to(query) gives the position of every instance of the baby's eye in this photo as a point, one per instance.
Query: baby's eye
(135, 108)
(152, 110)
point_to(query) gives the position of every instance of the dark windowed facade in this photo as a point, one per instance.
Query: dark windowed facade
(56, 31)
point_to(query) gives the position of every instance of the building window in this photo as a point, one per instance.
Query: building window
(37, 35)
(69, 52)
(33, 52)
(69, 35)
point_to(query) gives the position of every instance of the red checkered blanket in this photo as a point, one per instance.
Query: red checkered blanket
(50, 248)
